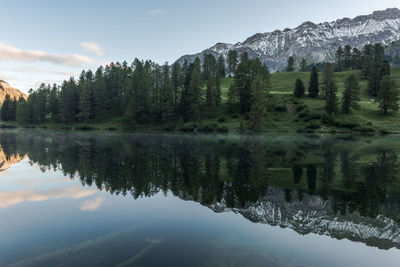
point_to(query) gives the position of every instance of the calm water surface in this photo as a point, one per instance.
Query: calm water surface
(172, 200)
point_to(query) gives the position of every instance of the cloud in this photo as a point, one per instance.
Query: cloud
(9, 198)
(92, 47)
(155, 12)
(32, 69)
(92, 205)
(8, 52)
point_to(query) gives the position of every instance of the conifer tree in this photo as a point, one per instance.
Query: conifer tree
(258, 108)
(303, 65)
(221, 66)
(327, 76)
(299, 89)
(330, 98)
(290, 64)
(167, 96)
(232, 62)
(99, 93)
(5, 108)
(313, 87)
(347, 57)
(339, 59)
(351, 94)
(176, 81)
(388, 96)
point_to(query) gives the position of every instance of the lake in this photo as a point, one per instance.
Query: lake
(110, 199)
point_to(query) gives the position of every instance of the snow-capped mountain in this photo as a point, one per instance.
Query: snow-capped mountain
(314, 42)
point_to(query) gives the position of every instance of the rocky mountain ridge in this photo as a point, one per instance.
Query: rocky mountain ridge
(314, 42)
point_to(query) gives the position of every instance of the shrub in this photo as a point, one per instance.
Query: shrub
(364, 130)
(280, 108)
(222, 119)
(223, 129)
(235, 116)
(85, 128)
(343, 124)
(326, 119)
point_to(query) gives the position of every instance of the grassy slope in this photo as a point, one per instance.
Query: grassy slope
(281, 92)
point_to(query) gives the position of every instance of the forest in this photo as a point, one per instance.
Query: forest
(169, 97)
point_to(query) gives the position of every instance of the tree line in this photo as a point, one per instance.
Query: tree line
(145, 92)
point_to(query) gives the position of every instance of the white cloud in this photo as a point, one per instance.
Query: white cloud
(32, 69)
(8, 52)
(158, 11)
(92, 47)
(92, 205)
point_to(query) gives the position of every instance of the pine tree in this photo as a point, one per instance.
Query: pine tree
(22, 114)
(5, 108)
(367, 60)
(347, 57)
(232, 62)
(209, 66)
(176, 80)
(331, 98)
(86, 96)
(356, 59)
(339, 59)
(313, 87)
(221, 66)
(99, 93)
(327, 76)
(388, 96)
(167, 96)
(290, 64)
(351, 94)
(191, 96)
(303, 65)
(299, 88)
(258, 108)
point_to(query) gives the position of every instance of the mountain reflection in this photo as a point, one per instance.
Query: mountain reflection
(343, 188)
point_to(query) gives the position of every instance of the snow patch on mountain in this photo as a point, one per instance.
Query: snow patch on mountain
(314, 42)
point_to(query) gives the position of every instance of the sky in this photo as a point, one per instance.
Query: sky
(51, 40)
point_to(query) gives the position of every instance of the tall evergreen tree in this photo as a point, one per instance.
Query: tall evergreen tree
(221, 66)
(303, 65)
(299, 89)
(232, 62)
(258, 108)
(99, 92)
(176, 81)
(347, 57)
(5, 108)
(327, 76)
(167, 96)
(313, 87)
(388, 96)
(290, 64)
(351, 94)
(330, 98)
(339, 59)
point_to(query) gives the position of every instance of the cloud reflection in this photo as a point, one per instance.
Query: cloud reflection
(11, 198)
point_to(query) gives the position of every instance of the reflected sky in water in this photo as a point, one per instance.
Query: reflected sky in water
(49, 219)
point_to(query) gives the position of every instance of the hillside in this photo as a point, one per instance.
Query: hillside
(289, 114)
(314, 42)
(6, 89)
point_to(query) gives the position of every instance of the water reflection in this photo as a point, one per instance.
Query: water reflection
(343, 188)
